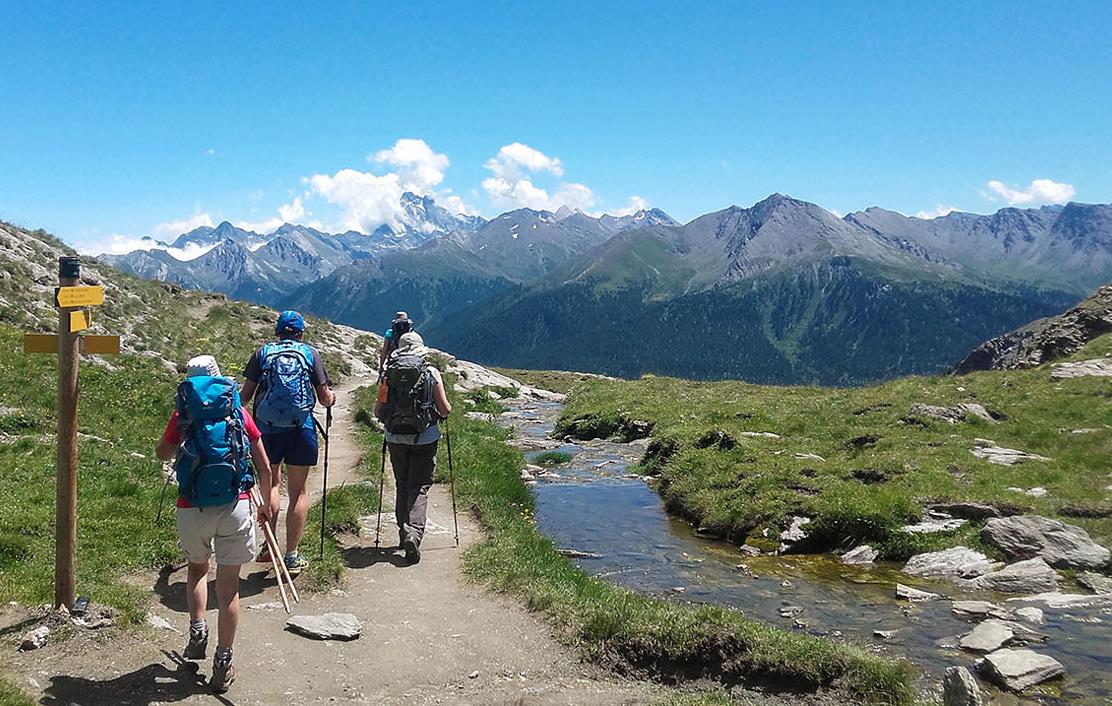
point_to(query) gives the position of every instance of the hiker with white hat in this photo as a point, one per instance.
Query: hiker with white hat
(210, 437)
(411, 407)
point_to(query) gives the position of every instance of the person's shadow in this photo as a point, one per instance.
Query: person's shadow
(154, 683)
(361, 557)
(172, 595)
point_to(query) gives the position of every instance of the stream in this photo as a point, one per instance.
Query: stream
(595, 506)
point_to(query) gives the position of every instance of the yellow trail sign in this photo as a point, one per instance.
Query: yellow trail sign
(79, 321)
(67, 297)
(40, 343)
(100, 345)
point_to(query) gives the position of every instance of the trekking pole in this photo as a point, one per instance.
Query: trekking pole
(271, 541)
(381, 485)
(272, 548)
(324, 496)
(451, 478)
(162, 497)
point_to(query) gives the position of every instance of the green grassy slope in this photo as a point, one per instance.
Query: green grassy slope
(125, 402)
(627, 632)
(862, 488)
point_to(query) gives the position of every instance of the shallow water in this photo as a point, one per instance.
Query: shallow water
(594, 505)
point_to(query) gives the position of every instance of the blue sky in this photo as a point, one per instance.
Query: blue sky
(135, 118)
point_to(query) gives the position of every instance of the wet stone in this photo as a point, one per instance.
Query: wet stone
(978, 610)
(988, 636)
(1097, 583)
(1018, 669)
(1029, 576)
(914, 595)
(960, 688)
(956, 562)
(860, 555)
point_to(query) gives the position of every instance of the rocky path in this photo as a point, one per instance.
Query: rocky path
(427, 636)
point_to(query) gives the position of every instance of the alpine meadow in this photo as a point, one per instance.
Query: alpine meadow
(728, 354)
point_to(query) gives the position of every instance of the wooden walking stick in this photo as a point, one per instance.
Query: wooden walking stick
(272, 546)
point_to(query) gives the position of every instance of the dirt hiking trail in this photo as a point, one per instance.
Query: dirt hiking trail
(429, 637)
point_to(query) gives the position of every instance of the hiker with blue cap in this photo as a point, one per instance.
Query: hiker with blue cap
(286, 378)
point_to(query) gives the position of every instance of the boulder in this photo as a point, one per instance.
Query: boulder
(1001, 456)
(1097, 583)
(967, 511)
(988, 636)
(914, 595)
(329, 626)
(1027, 576)
(956, 562)
(1018, 669)
(1061, 545)
(1098, 367)
(860, 555)
(978, 610)
(959, 688)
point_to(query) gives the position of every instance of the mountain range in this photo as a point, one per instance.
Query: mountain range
(782, 291)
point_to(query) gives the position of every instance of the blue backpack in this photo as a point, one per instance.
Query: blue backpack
(286, 397)
(211, 462)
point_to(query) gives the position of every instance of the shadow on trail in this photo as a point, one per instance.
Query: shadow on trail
(154, 683)
(172, 595)
(364, 557)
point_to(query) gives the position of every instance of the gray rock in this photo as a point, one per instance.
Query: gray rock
(1021, 577)
(329, 626)
(1061, 545)
(956, 562)
(794, 534)
(933, 525)
(951, 415)
(860, 555)
(1001, 456)
(34, 639)
(1018, 669)
(1098, 367)
(791, 611)
(749, 550)
(1065, 601)
(1024, 634)
(884, 634)
(1031, 614)
(967, 511)
(959, 688)
(988, 636)
(1097, 583)
(914, 595)
(978, 610)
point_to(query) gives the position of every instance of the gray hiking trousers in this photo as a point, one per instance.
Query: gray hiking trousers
(414, 467)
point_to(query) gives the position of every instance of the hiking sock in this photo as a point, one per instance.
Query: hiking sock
(198, 626)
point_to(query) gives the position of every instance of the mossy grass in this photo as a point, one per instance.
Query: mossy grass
(12, 695)
(553, 380)
(633, 634)
(850, 459)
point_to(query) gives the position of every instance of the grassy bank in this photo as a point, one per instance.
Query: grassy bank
(12, 695)
(853, 460)
(632, 634)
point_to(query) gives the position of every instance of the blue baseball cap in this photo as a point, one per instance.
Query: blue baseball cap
(289, 322)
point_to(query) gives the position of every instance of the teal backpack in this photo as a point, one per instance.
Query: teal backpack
(211, 462)
(286, 397)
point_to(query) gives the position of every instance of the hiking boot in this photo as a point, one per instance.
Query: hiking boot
(412, 551)
(295, 563)
(401, 539)
(223, 672)
(198, 643)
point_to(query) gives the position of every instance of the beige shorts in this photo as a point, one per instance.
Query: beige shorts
(229, 530)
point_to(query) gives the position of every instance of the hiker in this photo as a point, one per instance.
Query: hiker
(411, 406)
(401, 324)
(286, 378)
(210, 436)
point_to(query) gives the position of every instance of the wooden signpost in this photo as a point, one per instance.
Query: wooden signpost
(70, 298)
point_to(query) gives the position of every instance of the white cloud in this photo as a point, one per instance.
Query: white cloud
(419, 167)
(210, 152)
(938, 211)
(172, 229)
(1039, 191)
(367, 200)
(516, 159)
(291, 212)
(636, 203)
(123, 244)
